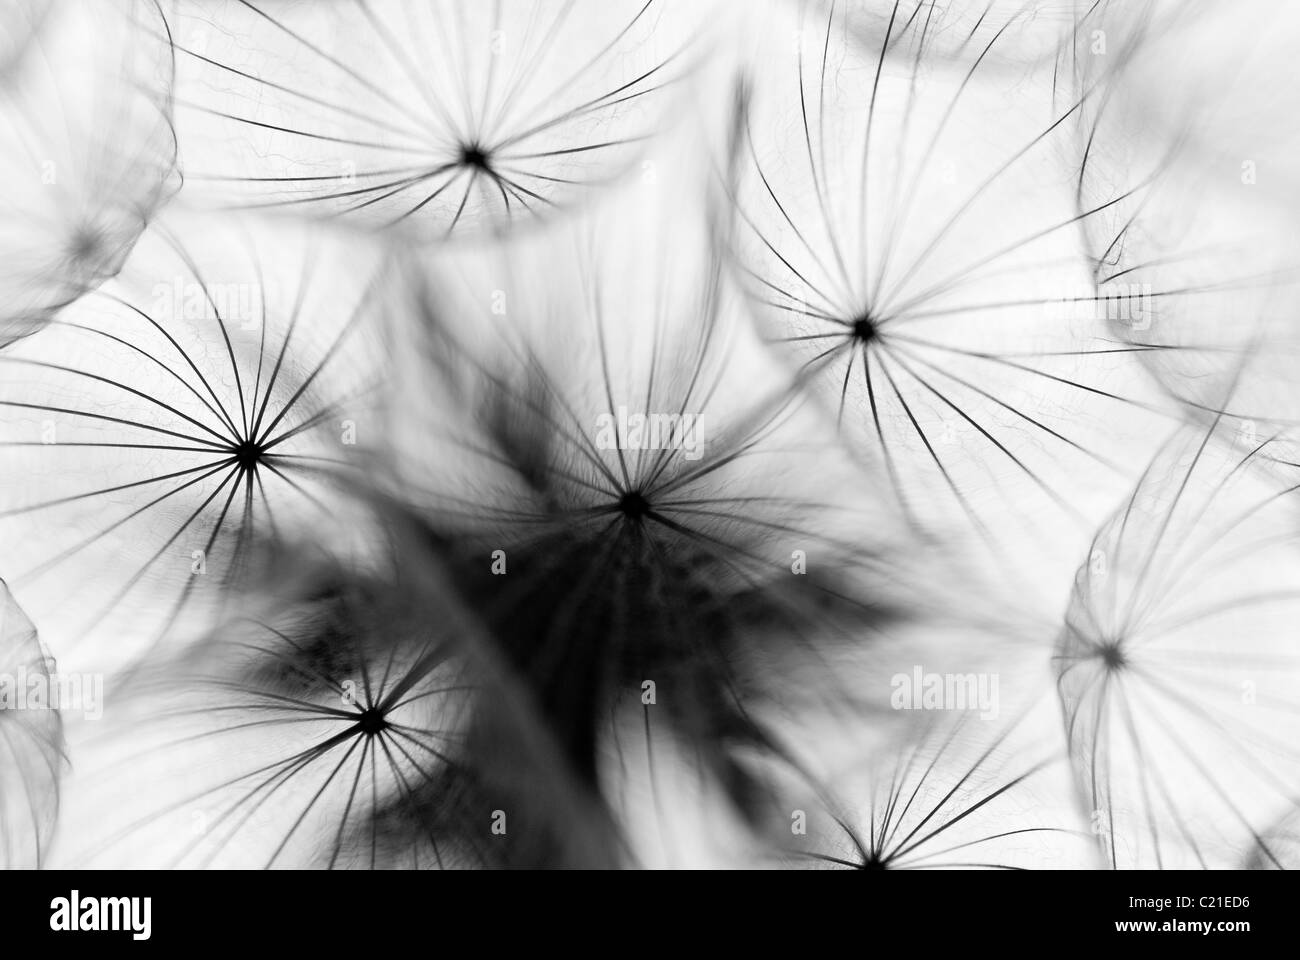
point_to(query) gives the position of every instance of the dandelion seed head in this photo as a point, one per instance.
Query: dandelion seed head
(372, 721)
(475, 156)
(86, 244)
(634, 505)
(864, 329)
(248, 454)
(1112, 655)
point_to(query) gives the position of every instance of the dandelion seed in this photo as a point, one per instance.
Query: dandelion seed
(1182, 768)
(31, 746)
(195, 401)
(90, 152)
(442, 121)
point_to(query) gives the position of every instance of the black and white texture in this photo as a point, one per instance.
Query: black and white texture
(648, 433)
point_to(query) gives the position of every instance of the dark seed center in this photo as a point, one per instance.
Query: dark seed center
(864, 329)
(474, 156)
(248, 454)
(372, 722)
(633, 505)
(1113, 656)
